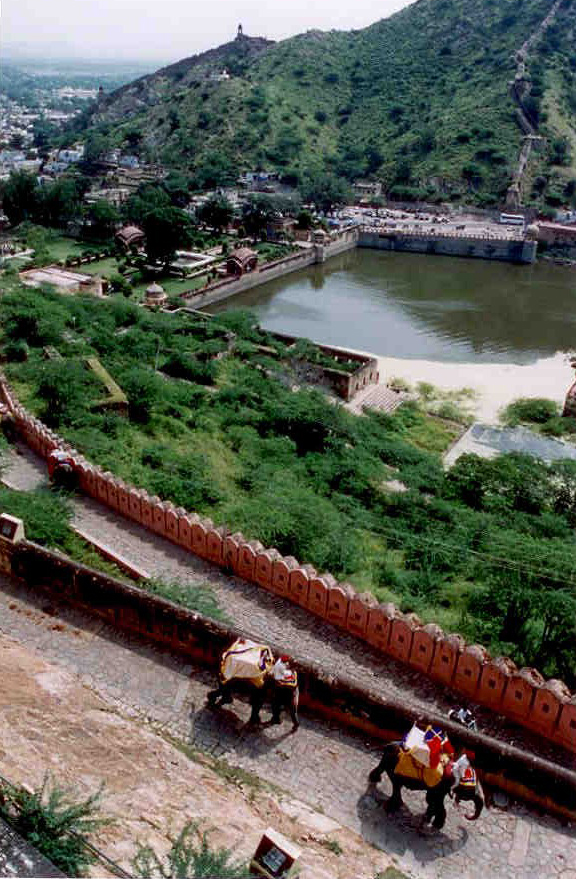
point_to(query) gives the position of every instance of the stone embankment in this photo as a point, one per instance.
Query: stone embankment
(522, 695)
(446, 243)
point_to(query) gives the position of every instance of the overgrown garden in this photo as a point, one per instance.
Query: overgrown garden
(218, 424)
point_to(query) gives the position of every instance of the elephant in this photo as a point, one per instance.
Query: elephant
(435, 796)
(271, 692)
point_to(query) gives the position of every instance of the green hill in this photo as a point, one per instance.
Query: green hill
(421, 101)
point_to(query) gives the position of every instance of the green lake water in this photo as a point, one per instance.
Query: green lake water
(424, 307)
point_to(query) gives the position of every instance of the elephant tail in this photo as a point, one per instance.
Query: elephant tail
(479, 803)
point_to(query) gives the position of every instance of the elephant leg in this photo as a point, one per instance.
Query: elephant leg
(395, 800)
(256, 702)
(440, 819)
(220, 696)
(276, 709)
(293, 709)
(376, 773)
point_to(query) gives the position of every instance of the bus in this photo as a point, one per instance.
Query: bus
(512, 219)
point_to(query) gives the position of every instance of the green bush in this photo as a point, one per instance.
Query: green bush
(55, 822)
(532, 409)
(190, 857)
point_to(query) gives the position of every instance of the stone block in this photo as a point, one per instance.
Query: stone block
(424, 646)
(123, 500)
(185, 522)
(247, 559)
(379, 626)
(215, 545)
(158, 516)
(565, 732)
(171, 522)
(232, 544)
(101, 486)
(546, 707)
(494, 680)
(401, 635)
(446, 656)
(281, 574)
(469, 669)
(358, 612)
(199, 530)
(520, 693)
(146, 510)
(339, 598)
(112, 492)
(318, 591)
(299, 584)
(135, 501)
(264, 567)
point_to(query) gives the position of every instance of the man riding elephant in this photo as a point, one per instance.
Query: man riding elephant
(249, 669)
(423, 761)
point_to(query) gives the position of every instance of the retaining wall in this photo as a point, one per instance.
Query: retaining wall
(333, 697)
(545, 707)
(504, 250)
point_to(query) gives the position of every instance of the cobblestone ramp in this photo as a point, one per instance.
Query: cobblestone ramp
(320, 764)
(267, 617)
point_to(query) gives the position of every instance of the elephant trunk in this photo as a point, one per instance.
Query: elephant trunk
(478, 806)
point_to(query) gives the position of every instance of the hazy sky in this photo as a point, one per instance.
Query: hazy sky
(168, 29)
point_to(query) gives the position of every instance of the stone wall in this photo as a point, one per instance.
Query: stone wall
(544, 706)
(446, 244)
(323, 693)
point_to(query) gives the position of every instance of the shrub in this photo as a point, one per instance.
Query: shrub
(55, 823)
(143, 391)
(190, 857)
(537, 410)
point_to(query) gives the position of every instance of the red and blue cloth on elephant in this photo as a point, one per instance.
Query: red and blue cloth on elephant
(425, 755)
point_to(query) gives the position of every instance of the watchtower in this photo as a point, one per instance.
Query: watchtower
(239, 33)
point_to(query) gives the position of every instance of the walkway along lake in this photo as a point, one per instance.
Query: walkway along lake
(499, 328)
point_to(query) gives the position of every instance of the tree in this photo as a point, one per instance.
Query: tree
(216, 212)
(325, 190)
(59, 202)
(148, 198)
(96, 147)
(21, 197)
(166, 230)
(104, 217)
(257, 211)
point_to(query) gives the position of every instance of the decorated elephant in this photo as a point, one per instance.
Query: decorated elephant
(249, 670)
(454, 778)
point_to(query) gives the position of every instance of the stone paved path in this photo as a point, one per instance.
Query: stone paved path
(267, 617)
(320, 764)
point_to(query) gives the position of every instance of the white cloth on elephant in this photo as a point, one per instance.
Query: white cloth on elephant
(459, 768)
(280, 670)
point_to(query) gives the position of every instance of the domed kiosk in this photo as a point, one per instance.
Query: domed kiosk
(155, 296)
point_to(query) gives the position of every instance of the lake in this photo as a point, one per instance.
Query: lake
(424, 307)
(496, 327)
